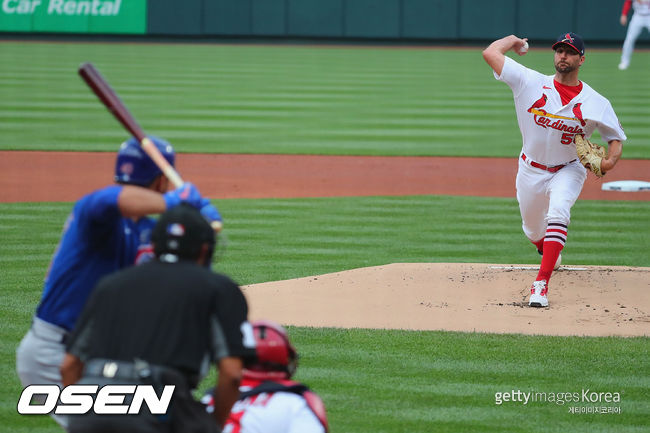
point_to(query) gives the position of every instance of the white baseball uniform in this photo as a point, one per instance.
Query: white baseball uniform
(640, 19)
(278, 412)
(550, 177)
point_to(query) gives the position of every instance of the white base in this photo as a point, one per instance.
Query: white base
(627, 186)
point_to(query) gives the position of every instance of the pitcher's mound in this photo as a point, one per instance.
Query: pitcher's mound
(589, 300)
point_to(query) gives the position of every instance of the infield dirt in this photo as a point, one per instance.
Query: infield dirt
(589, 300)
(65, 176)
(455, 297)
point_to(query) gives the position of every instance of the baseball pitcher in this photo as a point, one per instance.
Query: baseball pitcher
(556, 115)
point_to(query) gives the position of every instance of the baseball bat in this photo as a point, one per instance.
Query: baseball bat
(114, 104)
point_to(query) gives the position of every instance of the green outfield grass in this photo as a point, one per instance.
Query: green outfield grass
(390, 381)
(291, 99)
(405, 381)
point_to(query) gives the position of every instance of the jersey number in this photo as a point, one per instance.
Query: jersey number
(567, 138)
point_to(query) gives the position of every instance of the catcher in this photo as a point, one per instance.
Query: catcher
(269, 400)
(554, 112)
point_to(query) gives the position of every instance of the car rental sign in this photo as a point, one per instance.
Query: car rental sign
(73, 16)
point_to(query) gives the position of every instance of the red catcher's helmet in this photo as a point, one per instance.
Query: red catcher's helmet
(276, 356)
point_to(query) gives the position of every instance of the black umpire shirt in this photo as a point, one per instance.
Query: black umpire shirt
(178, 315)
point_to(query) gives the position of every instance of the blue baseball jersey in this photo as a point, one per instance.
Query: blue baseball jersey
(96, 241)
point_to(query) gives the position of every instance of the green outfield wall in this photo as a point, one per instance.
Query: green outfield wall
(427, 20)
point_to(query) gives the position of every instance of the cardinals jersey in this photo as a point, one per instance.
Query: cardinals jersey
(547, 125)
(641, 7)
(276, 412)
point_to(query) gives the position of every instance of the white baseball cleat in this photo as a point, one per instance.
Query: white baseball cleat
(538, 294)
(623, 66)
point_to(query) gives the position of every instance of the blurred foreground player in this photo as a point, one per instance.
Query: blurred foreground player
(163, 323)
(102, 234)
(270, 401)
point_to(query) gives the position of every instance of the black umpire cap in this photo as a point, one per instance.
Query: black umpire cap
(180, 233)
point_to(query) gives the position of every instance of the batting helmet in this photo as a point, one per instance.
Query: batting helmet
(133, 165)
(276, 356)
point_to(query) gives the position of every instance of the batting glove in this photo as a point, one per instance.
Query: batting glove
(186, 193)
(209, 211)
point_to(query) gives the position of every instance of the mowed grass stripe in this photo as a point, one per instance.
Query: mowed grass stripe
(388, 134)
(326, 87)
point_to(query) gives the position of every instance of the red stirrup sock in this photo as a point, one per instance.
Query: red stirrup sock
(554, 241)
(539, 244)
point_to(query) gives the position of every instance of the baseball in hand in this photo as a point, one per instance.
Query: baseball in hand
(524, 49)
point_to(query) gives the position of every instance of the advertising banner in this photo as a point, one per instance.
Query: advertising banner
(74, 16)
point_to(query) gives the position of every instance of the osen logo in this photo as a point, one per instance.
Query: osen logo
(81, 399)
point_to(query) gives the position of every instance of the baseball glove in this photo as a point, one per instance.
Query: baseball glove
(590, 154)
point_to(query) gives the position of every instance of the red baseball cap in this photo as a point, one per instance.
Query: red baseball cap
(572, 40)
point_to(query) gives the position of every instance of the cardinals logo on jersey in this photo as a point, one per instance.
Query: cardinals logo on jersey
(539, 104)
(578, 113)
(544, 119)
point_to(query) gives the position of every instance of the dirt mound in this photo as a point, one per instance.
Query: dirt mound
(584, 300)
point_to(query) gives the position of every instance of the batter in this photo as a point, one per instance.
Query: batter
(102, 234)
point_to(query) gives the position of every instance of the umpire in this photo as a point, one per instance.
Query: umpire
(163, 323)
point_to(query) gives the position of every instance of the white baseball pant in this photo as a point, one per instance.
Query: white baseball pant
(38, 358)
(545, 196)
(634, 29)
